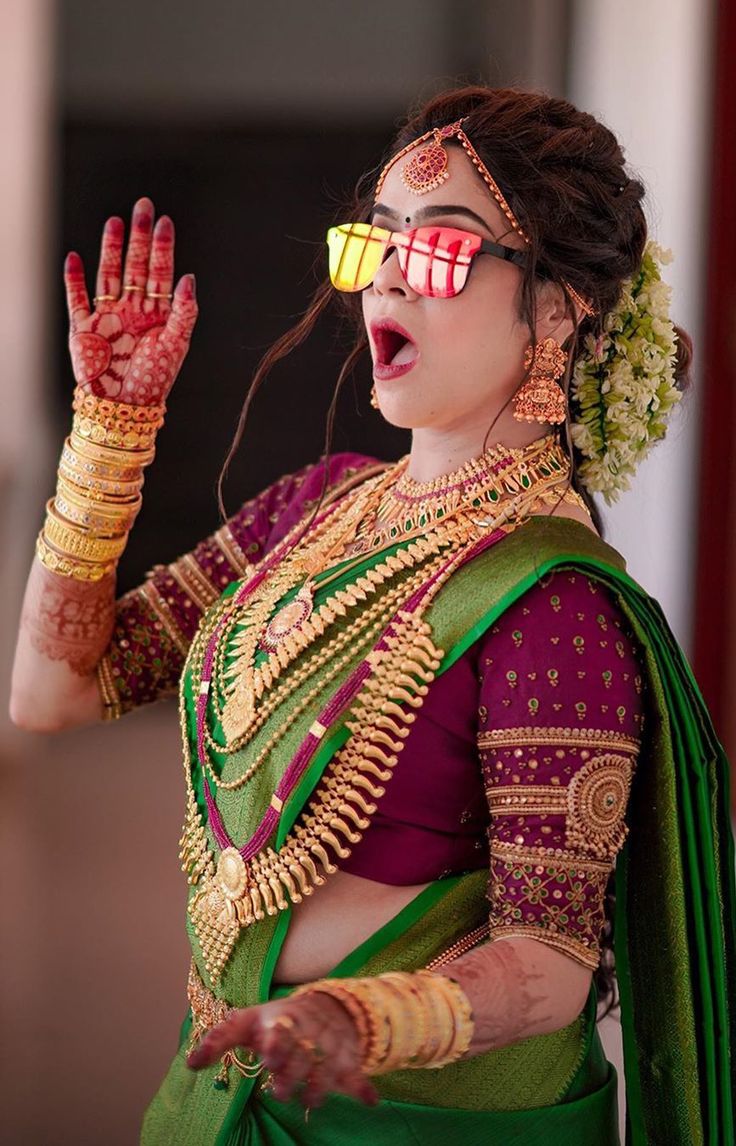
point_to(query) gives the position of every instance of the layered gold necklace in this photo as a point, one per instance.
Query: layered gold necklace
(388, 511)
(427, 529)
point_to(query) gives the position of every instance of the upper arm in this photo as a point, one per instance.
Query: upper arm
(560, 729)
(155, 622)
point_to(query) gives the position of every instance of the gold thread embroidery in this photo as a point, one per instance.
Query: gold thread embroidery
(112, 709)
(534, 736)
(227, 543)
(575, 948)
(532, 800)
(537, 854)
(151, 597)
(596, 805)
(552, 896)
(192, 579)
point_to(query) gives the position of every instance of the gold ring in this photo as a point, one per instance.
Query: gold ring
(132, 286)
(105, 298)
(154, 294)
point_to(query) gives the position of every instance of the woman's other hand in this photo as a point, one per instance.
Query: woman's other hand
(130, 347)
(309, 1040)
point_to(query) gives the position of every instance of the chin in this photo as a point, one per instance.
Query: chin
(399, 410)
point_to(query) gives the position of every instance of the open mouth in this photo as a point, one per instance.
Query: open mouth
(392, 347)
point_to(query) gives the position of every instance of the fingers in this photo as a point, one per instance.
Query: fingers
(294, 1051)
(139, 247)
(111, 256)
(77, 299)
(234, 1032)
(161, 267)
(321, 1080)
(179, 326)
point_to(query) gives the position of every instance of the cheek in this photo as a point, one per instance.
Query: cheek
(476, 328)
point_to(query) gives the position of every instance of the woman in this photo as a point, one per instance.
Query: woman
(427, 718)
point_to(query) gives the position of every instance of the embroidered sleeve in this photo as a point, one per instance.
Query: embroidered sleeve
(156, 622)
(560, 727)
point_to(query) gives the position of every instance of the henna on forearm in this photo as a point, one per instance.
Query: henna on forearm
(68, 620)
(518, 988)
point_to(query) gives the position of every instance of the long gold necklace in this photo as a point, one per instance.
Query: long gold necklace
(328, 662)
(245, 683)
(479, 486)
(248, 882)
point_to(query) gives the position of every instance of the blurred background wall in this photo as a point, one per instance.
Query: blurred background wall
(247, 123)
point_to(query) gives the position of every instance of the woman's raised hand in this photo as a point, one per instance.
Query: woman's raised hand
(309, 1044)
(130, 347)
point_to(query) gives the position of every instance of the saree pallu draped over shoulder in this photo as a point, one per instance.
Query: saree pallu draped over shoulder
(675, 923)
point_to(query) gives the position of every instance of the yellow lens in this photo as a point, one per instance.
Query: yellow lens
(355, 254)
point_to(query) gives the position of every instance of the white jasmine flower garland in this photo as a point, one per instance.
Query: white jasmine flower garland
(623, 383)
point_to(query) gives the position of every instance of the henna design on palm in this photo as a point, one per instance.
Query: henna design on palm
(131, 347)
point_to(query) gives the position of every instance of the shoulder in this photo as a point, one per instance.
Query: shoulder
(565, 654)
(569, 617)
(332, 476)
(280, 507)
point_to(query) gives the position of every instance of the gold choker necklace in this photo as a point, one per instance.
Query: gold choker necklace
(408, 506)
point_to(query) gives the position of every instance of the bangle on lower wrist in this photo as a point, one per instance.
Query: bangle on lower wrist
(65, 566)
(404, 1019)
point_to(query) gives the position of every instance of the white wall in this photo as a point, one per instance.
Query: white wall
(643, 68)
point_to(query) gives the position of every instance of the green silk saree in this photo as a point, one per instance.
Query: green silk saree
(675, 927)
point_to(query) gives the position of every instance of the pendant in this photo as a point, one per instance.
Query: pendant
(216, 926)
(289, 619)
(239, 711)
(225, 904)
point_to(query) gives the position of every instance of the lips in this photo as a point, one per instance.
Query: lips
(389, 338)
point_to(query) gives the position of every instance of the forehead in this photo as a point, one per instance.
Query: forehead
(464, 187)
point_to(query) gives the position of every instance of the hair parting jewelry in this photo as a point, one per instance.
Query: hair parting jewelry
(428, 169)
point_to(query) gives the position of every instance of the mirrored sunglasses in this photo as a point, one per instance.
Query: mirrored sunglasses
(435, 261)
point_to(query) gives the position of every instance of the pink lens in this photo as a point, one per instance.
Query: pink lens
(435, 260)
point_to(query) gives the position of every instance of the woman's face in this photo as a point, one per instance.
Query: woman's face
(469, 349)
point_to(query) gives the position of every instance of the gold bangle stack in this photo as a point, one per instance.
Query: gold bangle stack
(404, 1020)
(99, 482)
(66, 566)
(116, 424)
(105, 519)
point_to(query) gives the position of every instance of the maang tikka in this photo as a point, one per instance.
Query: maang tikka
(428, 169)
(541, 399)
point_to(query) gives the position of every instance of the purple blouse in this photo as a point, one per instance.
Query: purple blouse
(520, 759)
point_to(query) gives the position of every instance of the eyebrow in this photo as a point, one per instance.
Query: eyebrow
(433, 212)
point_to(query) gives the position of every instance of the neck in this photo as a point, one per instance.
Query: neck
(436, 452)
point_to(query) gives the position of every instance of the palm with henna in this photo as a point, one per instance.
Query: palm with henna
(131, 346)
(129, 349)
(309, 1046)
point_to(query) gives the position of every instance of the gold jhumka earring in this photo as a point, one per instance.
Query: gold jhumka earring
(541, 399)
(374, 397)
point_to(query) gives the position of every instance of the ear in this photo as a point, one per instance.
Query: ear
(553, 319)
